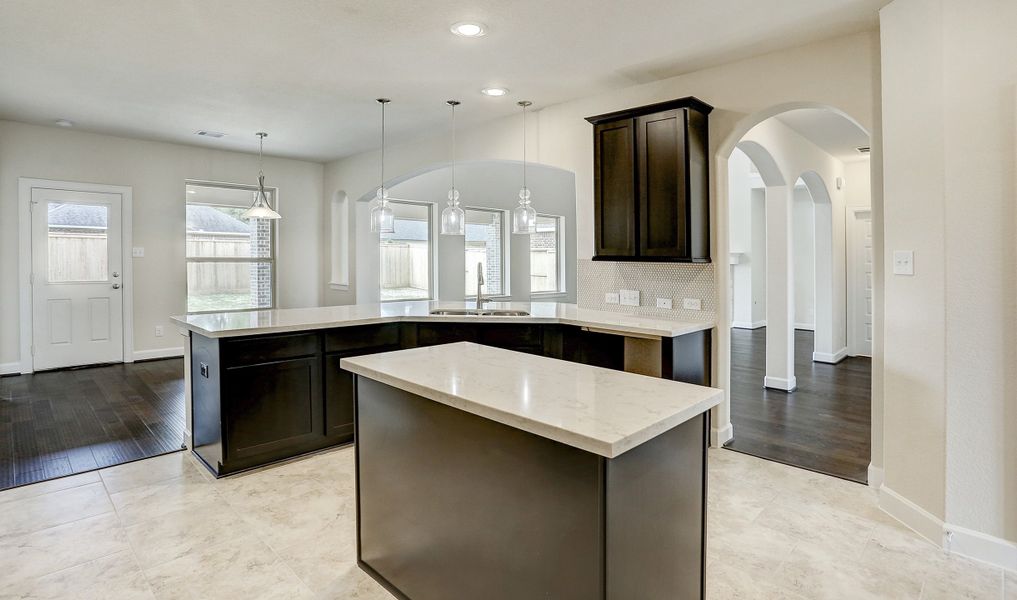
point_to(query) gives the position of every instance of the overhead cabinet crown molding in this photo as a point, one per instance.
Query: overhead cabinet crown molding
(652, 183)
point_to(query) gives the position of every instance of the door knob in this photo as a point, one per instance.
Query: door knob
(116, 286)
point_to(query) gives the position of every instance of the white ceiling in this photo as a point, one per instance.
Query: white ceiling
(307, 71)
(837, 135)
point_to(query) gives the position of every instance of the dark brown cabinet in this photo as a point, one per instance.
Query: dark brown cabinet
(651, 183)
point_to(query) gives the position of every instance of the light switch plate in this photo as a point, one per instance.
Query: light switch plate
(629, 297)
(692, 304)
(611, 298)
(903, 262)
(663, 303)
(138, 252)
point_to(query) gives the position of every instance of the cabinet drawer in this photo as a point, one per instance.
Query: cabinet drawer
(250, 351)
(352, 338)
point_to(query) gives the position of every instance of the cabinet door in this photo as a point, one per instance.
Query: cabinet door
(614, 201)
(272, 410)
(663, 195)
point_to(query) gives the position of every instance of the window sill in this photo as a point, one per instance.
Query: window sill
(548, 296)
(339, 287)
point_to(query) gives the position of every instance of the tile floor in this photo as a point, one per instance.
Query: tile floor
(163, 528)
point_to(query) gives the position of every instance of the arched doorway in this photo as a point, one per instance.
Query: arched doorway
(805, 330)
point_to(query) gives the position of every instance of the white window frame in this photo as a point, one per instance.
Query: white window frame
(432, 288)
(559, 244)
(274, 246)
(506, 267)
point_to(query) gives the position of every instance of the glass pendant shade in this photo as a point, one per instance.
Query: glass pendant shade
(524, 217)
(260, 209)
(453, 217)
(382, 217)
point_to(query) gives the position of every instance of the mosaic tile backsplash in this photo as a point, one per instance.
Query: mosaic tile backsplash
(653, 280)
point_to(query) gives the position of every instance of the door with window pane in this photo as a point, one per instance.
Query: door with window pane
(77, 282)
(230, 260)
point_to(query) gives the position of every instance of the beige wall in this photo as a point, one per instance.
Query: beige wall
(949, 108)
(841, 72)
(156, 171)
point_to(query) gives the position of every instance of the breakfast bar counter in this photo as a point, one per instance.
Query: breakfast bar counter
(488, 473)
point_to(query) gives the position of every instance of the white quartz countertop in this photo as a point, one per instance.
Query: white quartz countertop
(217, 325)
(599, 410)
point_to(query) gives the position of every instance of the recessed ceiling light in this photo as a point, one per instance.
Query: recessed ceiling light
(469, 29)
(64, 123)
(494, 91)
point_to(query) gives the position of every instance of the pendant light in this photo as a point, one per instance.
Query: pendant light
(261, 209)
(524, 217)
(453, 218)
(382, 217)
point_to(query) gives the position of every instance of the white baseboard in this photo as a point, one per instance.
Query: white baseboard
(187, 438)
(980, 546)
(826, 357)
(748, 324)
(875, 477)
(158, 353)
(719, 437)
(805, 326)
(779, 383)
(911, 515)
(11, 368)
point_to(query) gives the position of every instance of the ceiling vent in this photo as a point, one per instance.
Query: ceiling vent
(862, 149)
(212, 134)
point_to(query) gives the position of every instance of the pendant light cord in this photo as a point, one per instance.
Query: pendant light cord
(453, 104)
(382, 147)
(524, 143)
(261, 158)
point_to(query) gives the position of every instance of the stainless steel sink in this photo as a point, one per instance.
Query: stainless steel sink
(493, 312)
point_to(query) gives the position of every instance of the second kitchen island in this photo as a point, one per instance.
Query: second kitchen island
(487, 473)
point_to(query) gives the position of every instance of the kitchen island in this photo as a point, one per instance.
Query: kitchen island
(264, 386)
(487, 473)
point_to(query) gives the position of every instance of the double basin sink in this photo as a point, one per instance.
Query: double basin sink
(483, 312)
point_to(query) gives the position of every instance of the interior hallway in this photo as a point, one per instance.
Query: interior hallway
(58, 423)
(823, 426)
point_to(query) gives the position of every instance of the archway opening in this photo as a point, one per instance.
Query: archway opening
(795, 394)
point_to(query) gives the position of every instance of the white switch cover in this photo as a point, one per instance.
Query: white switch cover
(611, 298)
(663, 303)
(903, 262)
(138, 252)
(629, 297)
(158, 331)
(692, 304)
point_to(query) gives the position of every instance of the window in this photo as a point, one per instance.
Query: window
(77, 242)
(230, 261)
(406, 253)
(485, 246)
(545, 256)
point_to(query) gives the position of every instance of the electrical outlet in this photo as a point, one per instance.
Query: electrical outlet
(664, 303)
(138, 252)
(903, 262)
(629, 297)
(611, 298)
(158, 331)
(692, 304)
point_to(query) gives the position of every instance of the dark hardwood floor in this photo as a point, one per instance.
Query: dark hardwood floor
(63, 422)
(823, 426)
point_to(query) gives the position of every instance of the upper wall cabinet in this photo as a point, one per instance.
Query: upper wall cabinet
(652, 183)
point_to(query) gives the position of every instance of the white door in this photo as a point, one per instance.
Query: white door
(860, 292)
(77, 278)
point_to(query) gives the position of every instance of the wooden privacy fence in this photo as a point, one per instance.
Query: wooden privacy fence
(405, 265)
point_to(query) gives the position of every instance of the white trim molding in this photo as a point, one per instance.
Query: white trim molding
(980, 546)
(748, 325)
(721, 436)
(805, 326)
(11, 368)
(158, 353)
(875, 477)
(779, 383)
(826, 357)
(911, 515)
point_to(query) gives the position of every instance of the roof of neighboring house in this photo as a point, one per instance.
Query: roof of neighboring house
(208, 219)
(78, 215)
